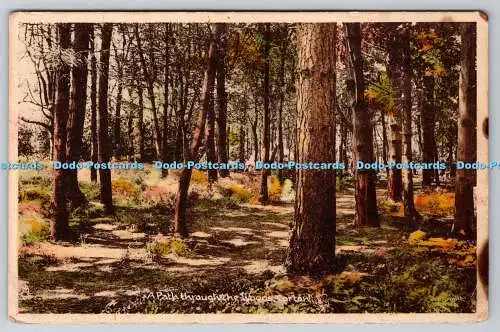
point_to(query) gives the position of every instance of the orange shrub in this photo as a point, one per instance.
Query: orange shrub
(436, 203)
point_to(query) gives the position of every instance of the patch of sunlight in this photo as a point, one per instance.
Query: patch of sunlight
(278, 234)
(105, 227)
(106, 294)
(199, 234)
(126, 235)
(259, 266)
(88, 251)
(62, 294)
(210, 260)
(358, 248)
(239, 230)
(283, 243)
(239, 242)
(69, 267)
(274, 224)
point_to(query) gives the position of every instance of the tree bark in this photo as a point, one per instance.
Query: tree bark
(466, 149)
(394, 71)
(428, 125)
(385, 144)
(166, 77)
(120, 61)
(312, 243)
(404, 102)
(221, 112)
(264, 196)
(148, 77)
(93, 108)
(281, 155)
(76, 117)
(104, 142)
(242, 144)
(140, 123)
(365, 191)
(207, 103)
(210, 143)
(59, 227)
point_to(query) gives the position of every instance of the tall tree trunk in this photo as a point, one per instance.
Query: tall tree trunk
(466, 149)
(117, 123)
(428, 123)
(264, 196)
(385, 144)
(221, 113)
(93, 108)
(404, 102)
(254, 126)
(148, 77)
(207, 103)
(104, 142)
(365, 194)
(130, 134)
(210, 144)
(312, 243)
(166, 77)
(281, 155)
(242, 144)
(76, 118)
(59, 227)
(140, 123)
(394, 71)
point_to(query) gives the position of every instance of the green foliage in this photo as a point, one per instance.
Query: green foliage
(91, 190)
(381, 93)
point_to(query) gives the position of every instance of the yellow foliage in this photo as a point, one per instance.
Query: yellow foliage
(352, 277)
(240, 193)
(199, 177)
(172, 246)
(436, 203)
(274, 189)
(416, 237)
(369, 95)
(31, 225)
(123, 187)
(391, 208)
(32, 230)
(440, 242)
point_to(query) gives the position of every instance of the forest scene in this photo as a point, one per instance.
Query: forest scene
(130, 228)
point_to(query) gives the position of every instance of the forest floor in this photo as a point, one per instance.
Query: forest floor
(233, 259)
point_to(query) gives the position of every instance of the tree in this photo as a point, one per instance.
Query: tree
(282, 92)
(312, 243)
(394, 68)
(59, 227)
(428, 124)
(365, 191)
(466, 150)
(104, 141)
(149, 78)
(221, 32)
(76, 117)
(166, 78)
(121, 60)
(264, 196)
(403, 101)
(93, 108)
(207, 103)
